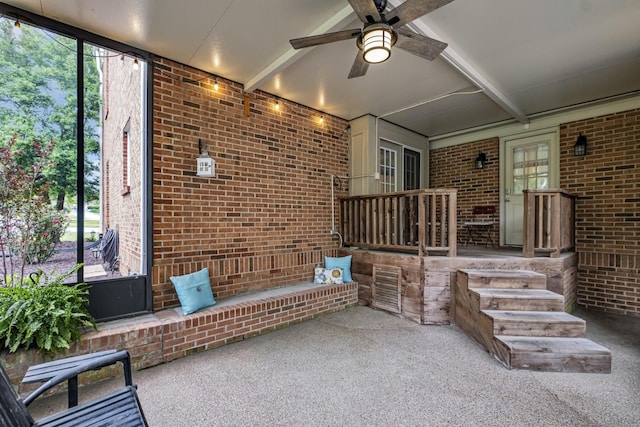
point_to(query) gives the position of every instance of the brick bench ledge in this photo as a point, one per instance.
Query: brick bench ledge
(167, 335)
(243, 316)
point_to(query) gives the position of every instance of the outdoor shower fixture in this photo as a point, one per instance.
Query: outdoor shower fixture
(335, 181)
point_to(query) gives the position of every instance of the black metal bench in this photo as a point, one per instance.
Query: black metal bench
(120, 407)
(45, 371)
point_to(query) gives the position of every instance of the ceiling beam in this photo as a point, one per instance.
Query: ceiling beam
(469, 71)
(335, 23)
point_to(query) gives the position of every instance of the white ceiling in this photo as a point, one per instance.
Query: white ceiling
(506, 59)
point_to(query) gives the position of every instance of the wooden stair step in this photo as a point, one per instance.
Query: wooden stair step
(504, 279)
(518, 299)
(536, 323)
(553, 354)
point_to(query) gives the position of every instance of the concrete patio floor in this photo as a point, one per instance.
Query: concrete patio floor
(366, 367)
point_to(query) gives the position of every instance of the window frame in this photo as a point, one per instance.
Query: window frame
(388, 186)
(400, 150)
(121, 286)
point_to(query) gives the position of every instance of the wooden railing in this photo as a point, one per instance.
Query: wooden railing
(549, 222)
(418, 220)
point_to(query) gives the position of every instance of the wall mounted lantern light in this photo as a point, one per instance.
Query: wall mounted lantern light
(580, 147)
(480, 160)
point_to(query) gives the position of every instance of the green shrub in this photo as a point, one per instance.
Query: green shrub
(43, 312)
(46, 232)
(30, 225)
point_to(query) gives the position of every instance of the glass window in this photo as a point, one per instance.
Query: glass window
(411, 169)
(73, 114)
(388, 166)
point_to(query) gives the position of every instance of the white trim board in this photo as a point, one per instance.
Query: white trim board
(544, 121)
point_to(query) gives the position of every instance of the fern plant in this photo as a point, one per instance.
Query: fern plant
(43, 312)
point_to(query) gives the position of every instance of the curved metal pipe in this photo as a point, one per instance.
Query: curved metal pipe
(334, 230)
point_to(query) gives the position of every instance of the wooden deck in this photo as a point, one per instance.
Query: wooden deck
(527, 297)
(425, 282)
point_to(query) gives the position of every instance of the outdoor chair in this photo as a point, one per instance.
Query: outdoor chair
(480, 227)
(120, 407)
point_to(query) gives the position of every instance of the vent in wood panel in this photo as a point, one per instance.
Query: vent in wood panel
(386, 290)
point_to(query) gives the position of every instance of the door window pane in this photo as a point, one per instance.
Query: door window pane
(530, 167)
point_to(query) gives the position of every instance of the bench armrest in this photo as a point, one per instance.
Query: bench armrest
(93, 364)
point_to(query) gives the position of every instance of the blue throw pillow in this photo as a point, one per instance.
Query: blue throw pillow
(194, 291)
(341, 262)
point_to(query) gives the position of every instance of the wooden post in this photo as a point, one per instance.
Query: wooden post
(528, 229)
(395, 221)
(375, 235)
(443, 224)
(452, 224)
(422, 224)
(367, 221)
(433, 219)
(387, 219)
(555, 213)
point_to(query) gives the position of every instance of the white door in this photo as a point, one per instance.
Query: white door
(530, 163)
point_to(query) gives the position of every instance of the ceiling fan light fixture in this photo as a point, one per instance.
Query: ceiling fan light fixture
(377, 41)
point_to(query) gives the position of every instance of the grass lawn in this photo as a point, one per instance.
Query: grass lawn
(71, 234)
(88, 223)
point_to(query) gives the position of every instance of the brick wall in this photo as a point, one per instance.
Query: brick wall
(607, 183)
(264, 220)
(453, 167)
(121, 181)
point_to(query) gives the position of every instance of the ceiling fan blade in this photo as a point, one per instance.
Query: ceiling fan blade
(366, 10)
(422, 46)
(359, 67)
(412, 9)
(324, 38)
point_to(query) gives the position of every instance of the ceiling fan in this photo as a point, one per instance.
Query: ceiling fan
(382, 31)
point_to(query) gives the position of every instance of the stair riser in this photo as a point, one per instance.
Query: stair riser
(495, 303)
(539, 329)
(507, 282)
(553, 354)
(597, 364)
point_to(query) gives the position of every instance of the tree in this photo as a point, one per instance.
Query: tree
(38, 84)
